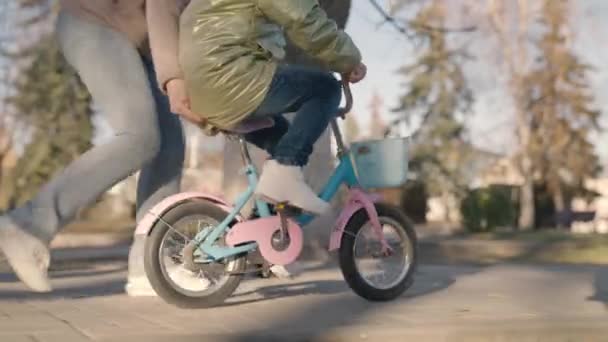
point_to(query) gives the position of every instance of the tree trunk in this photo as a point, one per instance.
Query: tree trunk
(513, 38)
(559, 204)
(559, 201)
(445, 199)
(526, 200)
(320, 165)
(526, 205)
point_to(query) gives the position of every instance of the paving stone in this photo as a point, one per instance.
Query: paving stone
(457, 303)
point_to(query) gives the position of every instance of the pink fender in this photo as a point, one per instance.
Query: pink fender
(147, 222)
(357, 200)
(261, 231)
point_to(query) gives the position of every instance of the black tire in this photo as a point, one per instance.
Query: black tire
(347, 259)
(163, 286)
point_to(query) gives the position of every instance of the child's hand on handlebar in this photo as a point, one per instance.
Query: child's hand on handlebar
(357, 74)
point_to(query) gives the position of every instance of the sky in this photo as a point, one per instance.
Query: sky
(491, 124)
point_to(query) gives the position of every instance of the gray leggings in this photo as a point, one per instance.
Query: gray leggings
(147, 136)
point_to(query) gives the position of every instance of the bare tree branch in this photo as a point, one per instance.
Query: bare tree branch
(389, 19)
(405, 29)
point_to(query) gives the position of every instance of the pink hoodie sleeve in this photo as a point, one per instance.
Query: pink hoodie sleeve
(163, 30)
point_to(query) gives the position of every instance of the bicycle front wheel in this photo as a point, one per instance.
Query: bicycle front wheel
(369, 273)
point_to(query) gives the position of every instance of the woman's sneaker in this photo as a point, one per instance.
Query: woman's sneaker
(139, 286)
(28, 255)
(286, 184)
(188, 280)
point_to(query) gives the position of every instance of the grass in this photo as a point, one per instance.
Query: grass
(555, 246)
(546, 246)
(577, 249)
(545, 235)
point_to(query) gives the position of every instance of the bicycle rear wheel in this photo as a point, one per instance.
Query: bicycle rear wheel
(175, 274)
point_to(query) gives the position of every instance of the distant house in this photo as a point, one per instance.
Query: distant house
(598, 205)
(502, 171)
(480, 171)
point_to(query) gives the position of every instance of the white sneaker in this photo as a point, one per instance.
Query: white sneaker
(283, 183)
(188, 280)
(28, 256)
(139, 287)
(283, 272)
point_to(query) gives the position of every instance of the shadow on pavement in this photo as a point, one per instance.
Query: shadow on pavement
(313, 322)
(293, 289)
(65, 274)
(81, 282)
(425, 283)
(600, 285)
(87, 290)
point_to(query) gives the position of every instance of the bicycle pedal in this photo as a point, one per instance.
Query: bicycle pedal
(246, 272)
(260, 271)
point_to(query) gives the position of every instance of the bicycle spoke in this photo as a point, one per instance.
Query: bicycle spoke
(378, 268)
(175, 230)
(172, 238)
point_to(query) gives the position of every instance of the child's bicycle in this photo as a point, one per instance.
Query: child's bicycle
(204, 237)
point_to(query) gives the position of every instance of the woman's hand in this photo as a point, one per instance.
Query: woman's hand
(358, 74)
(180, 101)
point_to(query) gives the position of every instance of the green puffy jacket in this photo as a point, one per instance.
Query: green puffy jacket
(229, 51)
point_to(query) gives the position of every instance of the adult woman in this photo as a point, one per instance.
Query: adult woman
(125, 52)
(106, 41)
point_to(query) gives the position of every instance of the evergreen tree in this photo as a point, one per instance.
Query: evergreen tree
(436, 97)
(52, 102)
(6, 146)
(561, 108)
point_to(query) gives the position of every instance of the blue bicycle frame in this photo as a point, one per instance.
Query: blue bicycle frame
(206, 239)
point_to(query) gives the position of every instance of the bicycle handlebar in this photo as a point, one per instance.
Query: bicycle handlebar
(348, 95)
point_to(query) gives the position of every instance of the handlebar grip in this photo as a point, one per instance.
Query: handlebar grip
(348, 96)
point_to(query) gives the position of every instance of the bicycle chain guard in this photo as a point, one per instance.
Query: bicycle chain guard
(262, 231)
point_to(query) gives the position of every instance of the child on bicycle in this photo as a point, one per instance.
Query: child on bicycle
(230, 52)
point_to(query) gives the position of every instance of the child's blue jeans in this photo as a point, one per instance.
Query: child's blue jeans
(314, 96)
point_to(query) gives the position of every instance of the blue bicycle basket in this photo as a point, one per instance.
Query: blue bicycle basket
(381, 163)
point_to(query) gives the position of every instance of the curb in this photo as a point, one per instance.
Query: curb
(473, 251)
(78, 240)
(80, 248)
(91, 254)
(72, 249)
